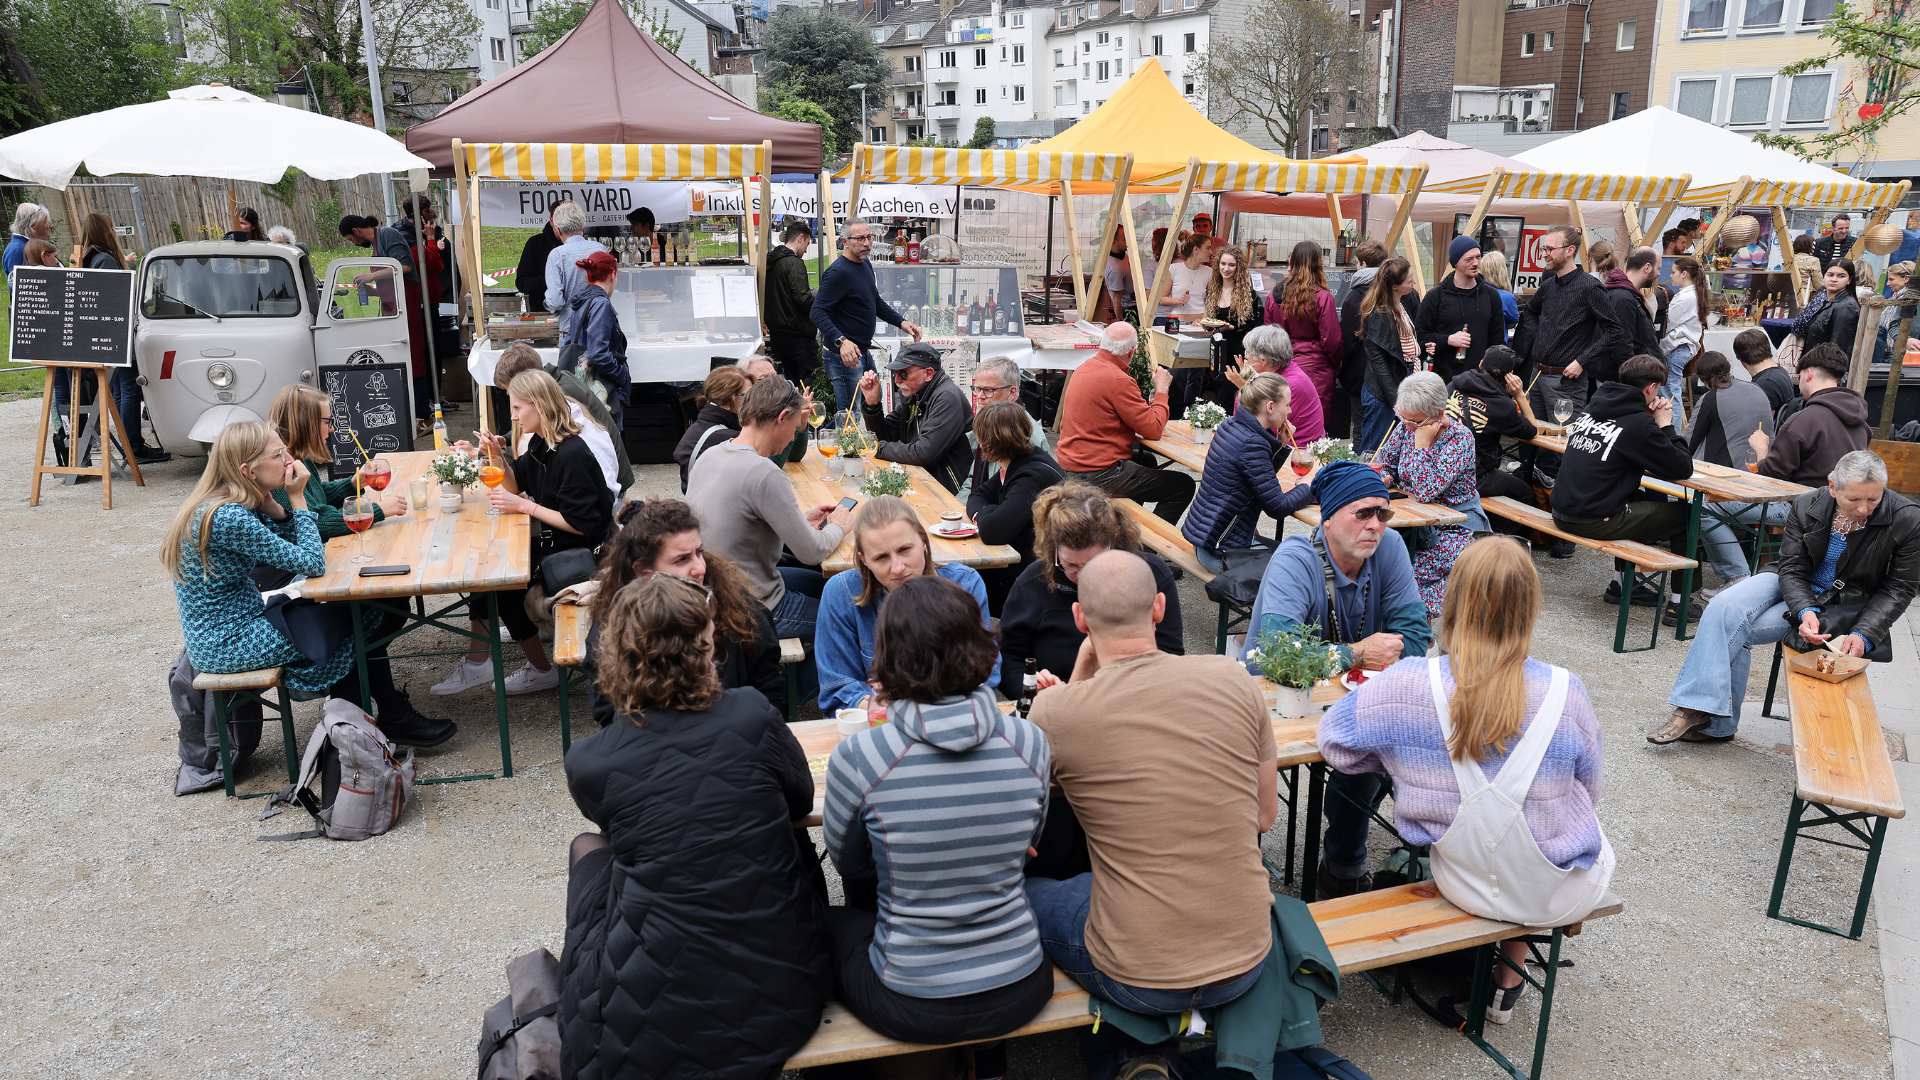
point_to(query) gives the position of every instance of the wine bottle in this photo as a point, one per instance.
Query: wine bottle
(1029, 686)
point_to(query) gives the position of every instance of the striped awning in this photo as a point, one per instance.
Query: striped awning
(1307, 177)
(574, 162)
(938, 165)
(1584, 187)
(1847, 194)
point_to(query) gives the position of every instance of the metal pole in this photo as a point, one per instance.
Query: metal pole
(431, 316)
(370, 47)
(1046, 269)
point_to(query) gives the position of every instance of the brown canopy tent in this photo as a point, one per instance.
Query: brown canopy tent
(607, 82)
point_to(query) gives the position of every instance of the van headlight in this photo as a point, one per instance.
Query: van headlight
(220, 375)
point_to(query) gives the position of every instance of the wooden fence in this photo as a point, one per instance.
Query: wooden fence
(178, 208)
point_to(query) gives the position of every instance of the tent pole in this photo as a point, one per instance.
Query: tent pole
(1579, 221)
(853, 186)
(470, 218)
(826, 243)
(1782, 231)
(1632, 216)
(1726, 214)
(1046, 270)
(956, 213)
(1073, 247)
(1334, 220)
(1879, 216)
(1151, 304)
(766, 216)
(1115, 207)
(1410, 247)
(1405, 210)
(1659, 223)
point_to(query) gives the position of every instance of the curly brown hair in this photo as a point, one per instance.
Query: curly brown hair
(654, 648)
(635, 547)
(928, 643)
(1078, 515)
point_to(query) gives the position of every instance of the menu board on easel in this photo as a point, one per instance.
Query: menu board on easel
(371, 401)
(72, 316)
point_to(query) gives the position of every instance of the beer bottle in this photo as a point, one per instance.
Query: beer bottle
(1029, 686)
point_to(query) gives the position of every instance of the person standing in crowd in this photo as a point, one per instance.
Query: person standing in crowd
(1754, 350)
(31, 221)
(1342, 418)
(1392, 350)
(587, 410)
(757, 367)
(246, 225)
(280, 234)
(662, 536)
(1832, 315)
(937, 942)
(1805, 267)
(1304, 308)
(1232, 300)
(557, 482)
(417, 226)
(1686, 331)
(103, 253)
(1101, 415)
(1009, 473)
(1247, 472)
(1116, 295)
(594, 340)
(1851, 543)
(1694, 229)
(1269, 351)
(1460, 317)
(1832, 248)
(1729, 411)
(530, 279)
(1169, 764)
(890, 548)
(1483, 709)
(1674, 243)
(1495, 272)
(1492, 403)
(390, 243)
(845, 310)
(930, 420)
(1600, 254)
(1430, 456)
(563, 263)
(1899, 275)
(694, 940)
(1621, 292)
(1150, 259)
(747, 505)
(791, 337)
(640, 224)
(1352, 578)
(1185, 300)
(716, 422)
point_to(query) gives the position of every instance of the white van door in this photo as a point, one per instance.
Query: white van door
(361, 315)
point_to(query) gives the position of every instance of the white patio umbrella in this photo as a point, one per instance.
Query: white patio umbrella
(214, 131)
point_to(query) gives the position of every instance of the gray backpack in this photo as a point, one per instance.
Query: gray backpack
(364, 781)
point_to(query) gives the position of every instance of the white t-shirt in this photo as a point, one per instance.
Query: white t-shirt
(597, 440)
(1191, 281)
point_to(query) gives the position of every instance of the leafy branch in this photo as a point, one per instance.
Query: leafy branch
(1882, 44)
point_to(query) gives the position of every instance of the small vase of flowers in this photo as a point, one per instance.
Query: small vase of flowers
(891, 480)
(455, 471)
(1204, 417)
(1294, 660)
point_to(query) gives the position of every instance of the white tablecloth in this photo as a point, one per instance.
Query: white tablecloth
(1720, 339)
(686, 362)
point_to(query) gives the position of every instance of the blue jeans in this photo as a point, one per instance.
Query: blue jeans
(1351, 799)
(1060, 915)
(1713, 679)
(1675, 389)
(845, 380)
(1376, 417)
(1722, 546)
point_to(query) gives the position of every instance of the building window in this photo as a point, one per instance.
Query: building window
(949, 97)
(1706, 16)
(1809, 98)
(1086, 70)
(1086, 47)
(1019, 94)
(1019, 19)
(877, 135)
(1158, 48)
(1353, 100)
(1003, 54)
(1019, 54)
(1813, 12)
(1189, 42)
(1751, 101)
(1166, 7)
(1622, 105)
(1119, 42)
(1189, 88)
(498, 47)
(1695, 98)
(1624, 37)
(1102, 38)
(1547, 42)
(1059, 58)
(1103, 71)
(1763, 14)
(1189, 5)
(980, 96)
(1526, 44)
(949, 58)
(979, 58)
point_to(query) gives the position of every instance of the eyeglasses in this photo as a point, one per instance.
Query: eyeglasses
(1382, 514)
(980, 390)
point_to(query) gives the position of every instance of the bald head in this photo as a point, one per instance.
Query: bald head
(1116, 594)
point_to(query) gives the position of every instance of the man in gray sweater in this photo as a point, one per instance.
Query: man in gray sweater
(747, 509)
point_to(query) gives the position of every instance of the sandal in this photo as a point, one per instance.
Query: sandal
(1682, 721)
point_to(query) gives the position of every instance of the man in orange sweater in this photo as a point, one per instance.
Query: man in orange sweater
(1101, 416)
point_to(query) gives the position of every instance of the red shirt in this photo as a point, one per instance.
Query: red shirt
(1103, 412)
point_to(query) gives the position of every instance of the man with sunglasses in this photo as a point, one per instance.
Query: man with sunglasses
(1352, 579)
(930, 420)
(845, 309)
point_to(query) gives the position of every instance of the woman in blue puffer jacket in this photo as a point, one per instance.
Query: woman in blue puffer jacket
(1247, 472)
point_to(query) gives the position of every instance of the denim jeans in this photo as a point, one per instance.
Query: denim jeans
(1675, 389)
(1376, 417)
(795, 616)
(125, 385)
(845, 380)
(1713, 678)
(1060, 914)
(1722, 546)
(1351, 800)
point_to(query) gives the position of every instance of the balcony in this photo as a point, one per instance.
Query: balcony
(944, 114)
(912, 113)
(944, 76)
(907, 78)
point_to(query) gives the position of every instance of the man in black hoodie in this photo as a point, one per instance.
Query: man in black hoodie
(789, 305)
(1621, 292)
(1625, 433)
(1461, 316)
(1491, 401)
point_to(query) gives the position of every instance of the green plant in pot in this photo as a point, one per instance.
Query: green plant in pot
(1295, 660)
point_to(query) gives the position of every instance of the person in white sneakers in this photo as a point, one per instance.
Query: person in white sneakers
(558, 484)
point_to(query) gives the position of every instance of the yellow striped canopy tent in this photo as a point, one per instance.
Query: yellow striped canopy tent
(1586, 187)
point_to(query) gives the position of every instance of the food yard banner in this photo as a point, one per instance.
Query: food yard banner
(803, 200)
(525, 205)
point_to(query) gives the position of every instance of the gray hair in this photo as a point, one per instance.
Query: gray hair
(280, 234)
(1858, 467)
(744, 362)
(1269, 343)
(1120, 338)
(1001, 367)
(569, 219)
(26, 214)
(847, 233)
(1422, 393)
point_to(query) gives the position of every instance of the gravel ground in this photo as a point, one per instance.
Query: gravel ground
(155, 936)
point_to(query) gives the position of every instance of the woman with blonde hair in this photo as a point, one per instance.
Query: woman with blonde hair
(1494, 270)
(302, 416)
(556, 482)
(694, 941)
(1247, 473)
(1519, 740)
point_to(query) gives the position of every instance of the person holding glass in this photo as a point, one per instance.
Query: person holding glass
(1686, 331)
(302, 416)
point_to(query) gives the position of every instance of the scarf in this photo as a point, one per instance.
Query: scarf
(1805, 319)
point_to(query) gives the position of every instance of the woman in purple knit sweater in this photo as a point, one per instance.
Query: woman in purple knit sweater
(1391, 726)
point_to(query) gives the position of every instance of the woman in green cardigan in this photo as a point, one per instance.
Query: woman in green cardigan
(303, 415)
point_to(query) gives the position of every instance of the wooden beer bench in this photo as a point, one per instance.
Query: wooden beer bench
(239, 688)
(1643, 562)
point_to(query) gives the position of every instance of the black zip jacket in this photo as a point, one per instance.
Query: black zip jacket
(1882, 560)
(1630, 315)
(928, 429)
(789, 302)
(1566, 319)
(1445, 309)
(1480, 402)
(1610, 447)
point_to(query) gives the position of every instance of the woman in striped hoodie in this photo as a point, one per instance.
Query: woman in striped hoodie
(934, 812)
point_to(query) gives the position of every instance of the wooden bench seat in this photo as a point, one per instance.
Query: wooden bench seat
(225, 690)
(1365, 932)
(1163, 539)
(261, 679)
(570, 625)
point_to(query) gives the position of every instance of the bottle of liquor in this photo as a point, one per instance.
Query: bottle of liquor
(686, 252)
(1459, 354)
(659, 250)
(1029, 686)
(960, 315)
(986, 315)
(973, 320)
(439, 429)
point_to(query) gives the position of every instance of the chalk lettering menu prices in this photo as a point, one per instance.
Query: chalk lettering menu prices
(372, 411)
(73, 316)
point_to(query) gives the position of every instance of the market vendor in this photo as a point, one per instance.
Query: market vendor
(845, 308)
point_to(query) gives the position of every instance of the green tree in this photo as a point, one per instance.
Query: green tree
(982, 134)
(814, 55)
(1879, 49)
(551, 21)
(74, 57)
(806, 112)
(1271, 69)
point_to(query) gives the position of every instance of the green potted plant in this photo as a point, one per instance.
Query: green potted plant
(1330, 450)
(891, 480)
(455, 471)
(1294, 660)
(1204, 417)
(853, 441)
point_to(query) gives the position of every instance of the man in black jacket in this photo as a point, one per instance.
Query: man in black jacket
(1565, 324)
(1875, 575)
(789, 305)
(1492, 403)
(1625, 433)
(1834, 245)
(929, 425)
(1621, 292)
(1353, 357)
(1461, 316)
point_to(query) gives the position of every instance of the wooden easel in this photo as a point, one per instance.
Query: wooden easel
(108, 421)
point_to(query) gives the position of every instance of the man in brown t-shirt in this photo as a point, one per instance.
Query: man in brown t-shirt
(1170, 765)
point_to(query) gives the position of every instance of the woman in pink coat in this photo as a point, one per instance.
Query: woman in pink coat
(1305, 309)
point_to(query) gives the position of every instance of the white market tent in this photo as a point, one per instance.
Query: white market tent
(210, 130)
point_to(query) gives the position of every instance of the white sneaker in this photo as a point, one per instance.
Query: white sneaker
(530, 679)
(465, 676)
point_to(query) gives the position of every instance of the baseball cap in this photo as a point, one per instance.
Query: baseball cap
(918, 354)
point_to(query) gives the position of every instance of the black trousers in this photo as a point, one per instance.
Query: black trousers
(1500, 482)
(1549, 387)
(1167, 490)
(1646, 520)
(796, 355)
(966, 1018)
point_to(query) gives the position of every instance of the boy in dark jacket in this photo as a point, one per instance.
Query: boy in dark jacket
(929, 425)
(789, 305)
(1461, 316)
(1831, 421)
(1621, 294)
(1492, 403)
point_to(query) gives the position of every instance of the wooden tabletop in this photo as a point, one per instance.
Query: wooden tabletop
(1717, 482)
(446, 553)
(1407, 514)
(813, 486)
(1178, 445)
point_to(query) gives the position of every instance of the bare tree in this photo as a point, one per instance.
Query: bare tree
(1289, 53)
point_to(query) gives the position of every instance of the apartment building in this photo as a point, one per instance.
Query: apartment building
(1528, 71)
(1095, 47)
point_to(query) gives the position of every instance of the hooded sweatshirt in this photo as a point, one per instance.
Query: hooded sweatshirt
(953, 917)
(1831, 423)
(789, 303)
(1446, 309)
(1622, 298)
(1477, 400)
(1610, 447)
(594, 331)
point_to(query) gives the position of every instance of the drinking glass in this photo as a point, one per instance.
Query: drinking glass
(492, 475)
(376, 473)
(357, 513)
(1562, 410)
(1302, 461)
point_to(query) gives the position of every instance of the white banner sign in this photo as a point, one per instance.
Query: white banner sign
(526, 206)
(803, 200)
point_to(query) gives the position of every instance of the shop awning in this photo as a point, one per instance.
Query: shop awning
(588, 162)
(988, 168)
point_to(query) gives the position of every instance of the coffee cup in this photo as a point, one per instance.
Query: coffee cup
(850, 721)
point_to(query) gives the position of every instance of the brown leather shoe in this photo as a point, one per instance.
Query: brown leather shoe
(1679, 724)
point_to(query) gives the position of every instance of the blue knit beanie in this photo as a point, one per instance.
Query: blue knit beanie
(1346, 481)
(1460, 246)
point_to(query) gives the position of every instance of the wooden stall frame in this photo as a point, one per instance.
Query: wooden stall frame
(1116, 208)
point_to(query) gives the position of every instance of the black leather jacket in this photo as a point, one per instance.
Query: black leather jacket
(1882, 561)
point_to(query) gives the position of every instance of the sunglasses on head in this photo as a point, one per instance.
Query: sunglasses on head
(1382, 514)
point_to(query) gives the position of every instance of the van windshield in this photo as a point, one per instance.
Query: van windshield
(223, 286)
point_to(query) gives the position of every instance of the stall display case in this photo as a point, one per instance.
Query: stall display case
(952, 299)
(687, 305)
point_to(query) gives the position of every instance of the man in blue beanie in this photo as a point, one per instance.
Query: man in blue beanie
(1353, 579)
(1461, 316)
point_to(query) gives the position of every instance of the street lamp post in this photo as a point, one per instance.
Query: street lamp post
(861, 135)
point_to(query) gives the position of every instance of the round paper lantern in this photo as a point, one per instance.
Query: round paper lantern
(1872, 110)
(1739, 232)
(1881, 239)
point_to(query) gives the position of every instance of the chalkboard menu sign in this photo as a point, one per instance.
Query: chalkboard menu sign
(72, 316)
(372, 401)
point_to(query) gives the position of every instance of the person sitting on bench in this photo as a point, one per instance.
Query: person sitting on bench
(1471, 709)
(1848, 566)
(937, 943)
(1353, 579)
(1247, 471)
(1170, 764)
(1492, 402)
(694, 940)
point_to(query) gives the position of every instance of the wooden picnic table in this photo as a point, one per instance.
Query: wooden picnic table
(814, 486)
(447, 554)
(1407, 514)
(1178, 445)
